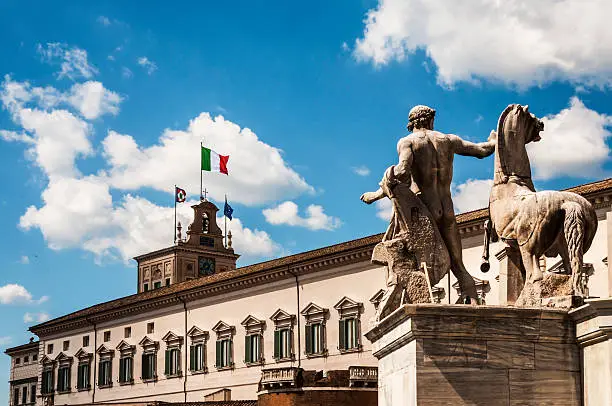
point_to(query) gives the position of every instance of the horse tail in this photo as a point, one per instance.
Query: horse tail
(574, 229)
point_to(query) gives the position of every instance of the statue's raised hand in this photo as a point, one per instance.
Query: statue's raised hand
(370, 197)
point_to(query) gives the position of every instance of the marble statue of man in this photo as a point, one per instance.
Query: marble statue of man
(426, 165)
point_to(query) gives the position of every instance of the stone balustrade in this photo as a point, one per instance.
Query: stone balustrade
(363, 376)
(279, 377)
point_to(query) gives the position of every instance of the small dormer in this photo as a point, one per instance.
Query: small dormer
(203, 252)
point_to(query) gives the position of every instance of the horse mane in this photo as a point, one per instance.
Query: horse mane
(501, 138)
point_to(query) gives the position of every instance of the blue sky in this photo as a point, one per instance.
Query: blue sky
(104, 104)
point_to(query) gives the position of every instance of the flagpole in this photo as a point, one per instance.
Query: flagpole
(225, 220)
(174, 214)
(201, 171)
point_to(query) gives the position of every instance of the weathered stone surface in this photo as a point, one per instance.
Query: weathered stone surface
(557, 357)
(562, 302)
(511, 354)
(558, 388)
(556, 285)
(445, 353)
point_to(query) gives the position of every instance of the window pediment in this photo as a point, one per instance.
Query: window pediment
(105, 351)
(149, 345)
(253, 325)
(223, 330)
(197, 334)
(377, 297)
(46, 360)
(314, 313)
(126, 349)
(282, 317)
(172, 340)
(348, 307)
(63, 359)
(83, 355)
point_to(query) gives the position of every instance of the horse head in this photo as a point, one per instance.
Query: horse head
(516, 127)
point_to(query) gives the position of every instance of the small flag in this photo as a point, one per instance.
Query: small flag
(179, 195)
(213, 162)
(227, 210)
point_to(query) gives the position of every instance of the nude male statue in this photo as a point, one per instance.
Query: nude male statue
(426, 164)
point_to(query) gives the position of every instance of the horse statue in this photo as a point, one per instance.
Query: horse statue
(547, 223)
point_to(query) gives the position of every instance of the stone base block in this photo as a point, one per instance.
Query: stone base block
(563, 302)
(431, 354)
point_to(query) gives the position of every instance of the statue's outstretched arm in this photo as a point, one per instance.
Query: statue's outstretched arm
(479, 150)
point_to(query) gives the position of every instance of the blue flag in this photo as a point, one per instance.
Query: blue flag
(227, 210)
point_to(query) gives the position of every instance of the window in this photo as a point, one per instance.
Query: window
(63, 379)
(105, 371)
(26, 359)
(314, 338)
(83, 374)
(314, 330)
(253, 340)
(283, 335)
(16, 396)
(85, 341)
(149, 359)
(150, 328)
(126, 369)
(252, 349)
(173, 362)
(49, 348)
(349, 331)
(146, 287)
(107, 336)
(224, 353)
(17, 361)
(167, 281)
(282, 344)
(148, 366)
(35, 357)
(66, 345)
(127, 332)
(197, 350)
(33, 394)
(157, 285)
(47, 380)
(24, 395)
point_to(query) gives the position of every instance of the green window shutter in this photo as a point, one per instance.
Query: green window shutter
(342, 335)
(308, 339)
(276, 344)
(100, 374)
(247, 349)
(122, 370)
(231, 352)
(192, 358)
(356, 332)
(143, 371)
(218, 353)
(167, 367)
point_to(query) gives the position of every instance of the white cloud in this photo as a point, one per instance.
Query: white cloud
(126, 72)
(11, 136)
(384, 209)
(73, 61)
(287, 213)
(148, 65)
(573, 143)
(36, 317)
(472, 195)
(361, 170)
(24, 260)
(104, 21)
(250, 243)
(5, 340)
(517, 42)
(257, 171)
(16, 294)
(93, 100)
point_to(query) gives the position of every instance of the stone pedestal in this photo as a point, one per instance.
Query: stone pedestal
(431, 354)
(511, 279)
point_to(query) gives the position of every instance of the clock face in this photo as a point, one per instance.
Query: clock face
(207, 266)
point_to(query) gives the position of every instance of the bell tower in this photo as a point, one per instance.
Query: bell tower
(202, 253)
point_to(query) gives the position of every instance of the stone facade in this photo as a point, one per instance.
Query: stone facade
(290, 293)
(23, 385)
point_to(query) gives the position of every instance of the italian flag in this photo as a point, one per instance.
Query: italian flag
(213, 162)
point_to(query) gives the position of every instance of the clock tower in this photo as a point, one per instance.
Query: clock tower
(200, 254)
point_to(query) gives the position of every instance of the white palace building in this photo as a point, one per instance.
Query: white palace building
(198, 326)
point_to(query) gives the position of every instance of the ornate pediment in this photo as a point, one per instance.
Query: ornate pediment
(312, 309)
(282, 319)
(377, 297)
(147, 344)
(196, 333)
(348, 307)
(253, 325)
(46, 360)
(126, 349)
(102, 349)
(172, 339)
(223, 329)
(83, 355)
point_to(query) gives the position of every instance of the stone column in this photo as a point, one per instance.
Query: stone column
(594, 336)
(511, 278)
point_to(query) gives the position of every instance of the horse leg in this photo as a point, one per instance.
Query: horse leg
(530, 295)
(573, 228)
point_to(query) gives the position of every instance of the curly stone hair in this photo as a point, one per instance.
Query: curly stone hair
(419, 116)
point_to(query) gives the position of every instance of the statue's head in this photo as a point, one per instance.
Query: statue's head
(421, 117)
(529, 123)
